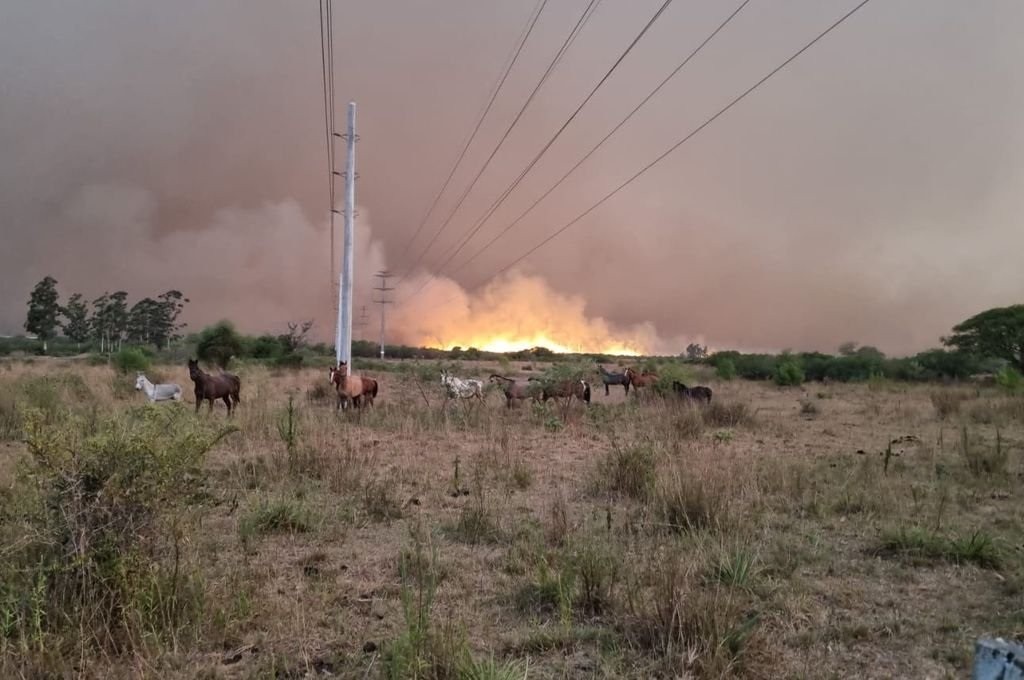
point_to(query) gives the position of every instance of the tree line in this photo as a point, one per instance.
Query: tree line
(107, 321)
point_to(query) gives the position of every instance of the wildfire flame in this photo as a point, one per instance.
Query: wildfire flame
(515, 313)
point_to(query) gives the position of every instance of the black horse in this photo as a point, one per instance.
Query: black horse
(699, 394)
(613, 379)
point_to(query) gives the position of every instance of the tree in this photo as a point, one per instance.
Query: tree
(296, 335)
(117, 311)
(996, 333)
(97, 322)
(695, 351)
(76, 319)
(219, 343)
(110, 319)
(142, 321)
(43, 310)
(166, 326)
(848, 349)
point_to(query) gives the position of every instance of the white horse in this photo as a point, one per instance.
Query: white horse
(165, 392)
(462, 388)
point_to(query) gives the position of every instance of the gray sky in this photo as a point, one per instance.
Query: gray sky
(870, 192)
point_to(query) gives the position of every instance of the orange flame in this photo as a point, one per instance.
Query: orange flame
(515, 313)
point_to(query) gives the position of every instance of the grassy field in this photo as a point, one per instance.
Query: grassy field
(872, 530)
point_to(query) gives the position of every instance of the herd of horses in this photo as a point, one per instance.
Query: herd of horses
(357, 391)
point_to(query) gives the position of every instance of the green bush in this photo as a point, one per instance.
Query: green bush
(1009, 379)
(726, 369)
(219, 343)
(789, 373)
(130, 360)
(96, 559)
(668, 374)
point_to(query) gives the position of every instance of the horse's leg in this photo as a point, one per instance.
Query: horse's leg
(227, 401)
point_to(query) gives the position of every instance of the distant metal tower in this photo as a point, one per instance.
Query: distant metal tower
(383, 301)
(343, 339)
(362, 323)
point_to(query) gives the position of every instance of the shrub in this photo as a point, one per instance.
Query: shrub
(808, 408)
(668, 374)
(789, 373)
(1009, 379)
(947, 402)
(100, 561)
(10, 419)
(628, 471)
(130, 360)
(726, 369)
(219, 343)
(477, 524)
(728, 414)
(380, 503)
(924, 545)
(596, 566)
(687, 500)
(982, 458)
(281, 515)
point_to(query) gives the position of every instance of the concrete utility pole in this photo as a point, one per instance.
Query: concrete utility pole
(343, 339)
(383, 302)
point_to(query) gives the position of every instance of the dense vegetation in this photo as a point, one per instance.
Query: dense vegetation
(991, 342)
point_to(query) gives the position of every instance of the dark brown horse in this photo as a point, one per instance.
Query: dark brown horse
(699, 394)
(566, 389)
(225, 386)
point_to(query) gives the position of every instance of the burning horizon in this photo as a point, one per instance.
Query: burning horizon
(516, 312)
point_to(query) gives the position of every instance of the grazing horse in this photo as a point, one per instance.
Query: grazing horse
(514, 390)
(638, 380)
(566, 389)
(352, 388)
(698, 394)
(461, 388)
(161, 392)
(225, 386)
(609, 378)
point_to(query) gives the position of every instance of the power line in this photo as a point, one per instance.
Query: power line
(328, 78)
(682, 141)
(551, 141)
(608, 136)
(587, 13)
(510, 61)
(544, 77)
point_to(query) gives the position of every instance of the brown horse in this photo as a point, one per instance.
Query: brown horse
(514, 390)
(638, 380)
(225, 386)
(566, 389)
(352, 388)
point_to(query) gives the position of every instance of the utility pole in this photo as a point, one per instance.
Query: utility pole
(343, 339)
(362, 323)
(383, 302)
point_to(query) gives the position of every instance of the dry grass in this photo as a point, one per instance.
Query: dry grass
(753, 537)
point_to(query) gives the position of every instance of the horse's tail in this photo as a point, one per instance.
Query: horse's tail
(236, 389)
(373, 389)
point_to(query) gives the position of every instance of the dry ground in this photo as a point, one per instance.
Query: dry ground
(815, 532)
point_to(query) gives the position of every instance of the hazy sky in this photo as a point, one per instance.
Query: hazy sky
(870, 192)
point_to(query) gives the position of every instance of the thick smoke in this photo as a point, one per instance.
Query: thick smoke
(869, 193)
